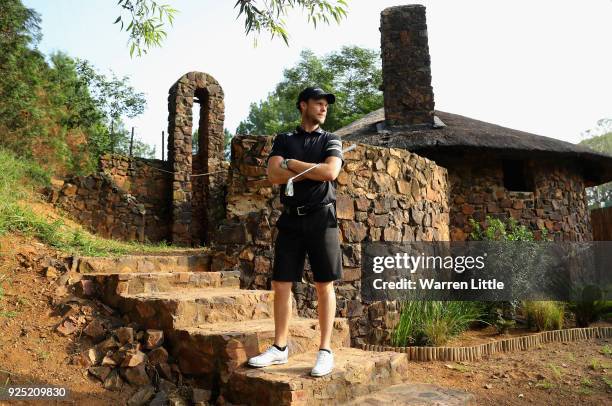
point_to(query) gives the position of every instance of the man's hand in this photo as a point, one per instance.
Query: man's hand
(278, 175)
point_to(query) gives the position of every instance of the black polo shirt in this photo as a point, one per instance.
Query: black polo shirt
(312, 147)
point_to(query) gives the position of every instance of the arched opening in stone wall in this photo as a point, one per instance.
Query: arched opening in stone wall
(201, 112)
(197, 201)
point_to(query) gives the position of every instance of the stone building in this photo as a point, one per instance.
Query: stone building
(492, 170)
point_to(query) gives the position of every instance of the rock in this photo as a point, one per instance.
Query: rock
(161, 399)
(89, 357)
(136, 375)
(174, 399)
(66, 327)
(109, 360)
(113, 381)
(51, 273)
(166, 386)
(85, 287)
(110, 344)
(200, 395)
(125, 335)
(133, 359)
(100, 372)
(164, 370)
(344, 207)
(157, 356)
(95, 330)
(488, 386)
(154, 338)
(142, 396)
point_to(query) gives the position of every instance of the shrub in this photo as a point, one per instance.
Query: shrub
(544, 315)
(434, 322)
(591, 306)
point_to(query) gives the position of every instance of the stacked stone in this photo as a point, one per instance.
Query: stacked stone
(408, 95)
(98, 203)
(557, 202)
(145, 179)
(180, 125)
(382, 195)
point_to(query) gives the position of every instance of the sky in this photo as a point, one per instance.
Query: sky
(540, 66)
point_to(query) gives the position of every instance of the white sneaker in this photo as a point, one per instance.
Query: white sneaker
(324, 363)
(271, 356)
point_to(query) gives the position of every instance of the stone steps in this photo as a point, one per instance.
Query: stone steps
(195, 262)
(356, 373)
(217, 349)
(187, 307)
(135, 283)
(212, 327)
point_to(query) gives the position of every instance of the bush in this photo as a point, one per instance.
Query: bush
(544, 315)
(434, 322)
(592, 306)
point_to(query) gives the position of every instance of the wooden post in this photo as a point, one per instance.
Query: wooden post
(132, 142)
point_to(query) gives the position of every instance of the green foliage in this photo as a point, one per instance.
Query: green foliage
(591, 306)
(146, 21)
(353, 74)
(434, 322)
(146, 18)
(497, 230)
(503, 314)
(600, 139)
(544, 315)
(61, 112)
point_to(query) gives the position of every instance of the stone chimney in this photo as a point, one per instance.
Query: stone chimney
(408, 94)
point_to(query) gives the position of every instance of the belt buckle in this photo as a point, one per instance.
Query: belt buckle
(298, 211)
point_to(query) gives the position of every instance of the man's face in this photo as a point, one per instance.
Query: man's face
(316, 110)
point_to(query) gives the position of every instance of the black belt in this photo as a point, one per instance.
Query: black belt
(304, 210)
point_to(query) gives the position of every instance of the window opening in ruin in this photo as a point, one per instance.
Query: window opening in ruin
(516, 176)
(195, 126)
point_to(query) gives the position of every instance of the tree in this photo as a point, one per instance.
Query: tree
(599, 139)
(115, 97)
(146, 18)
(354, 74)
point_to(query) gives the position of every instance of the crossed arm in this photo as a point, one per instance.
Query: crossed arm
(326, 171)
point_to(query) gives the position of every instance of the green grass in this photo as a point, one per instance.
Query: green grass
(19, 180)
(544, 315)
(555, 370)
(434, 322)
(606, 350)
(545, 385)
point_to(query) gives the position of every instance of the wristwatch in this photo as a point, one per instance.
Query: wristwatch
(284, 163)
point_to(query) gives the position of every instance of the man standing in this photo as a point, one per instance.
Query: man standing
(308, 225)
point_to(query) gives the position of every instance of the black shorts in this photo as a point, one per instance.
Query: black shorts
(315, 234)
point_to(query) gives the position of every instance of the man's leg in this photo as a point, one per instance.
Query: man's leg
(326, 299)
(282, 311)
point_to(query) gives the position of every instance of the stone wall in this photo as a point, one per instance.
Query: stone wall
(147, 181)
(99, 204)
(382, 195)
(557, 202)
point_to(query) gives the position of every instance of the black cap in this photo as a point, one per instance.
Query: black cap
(315, 93)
